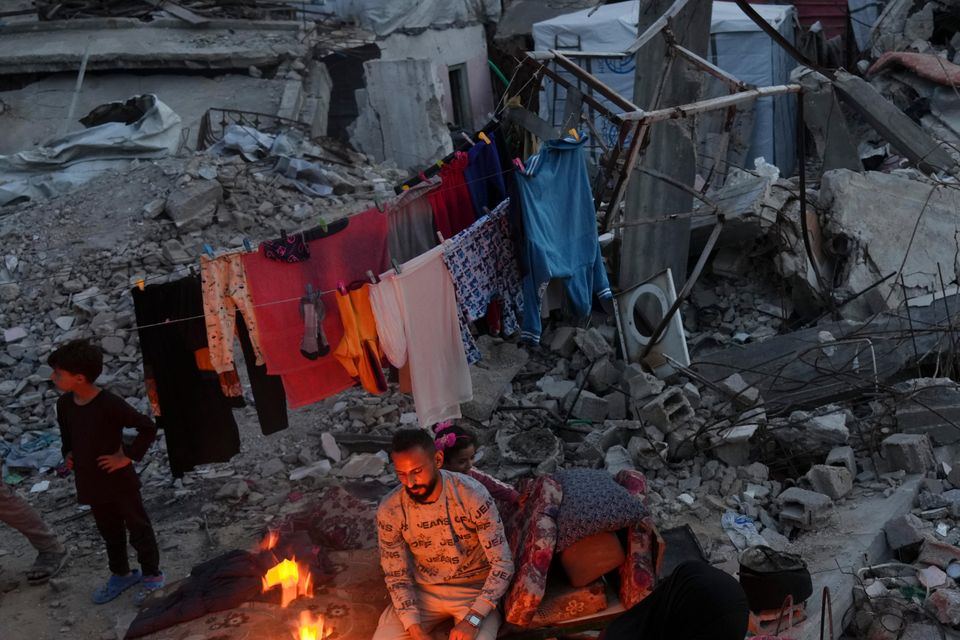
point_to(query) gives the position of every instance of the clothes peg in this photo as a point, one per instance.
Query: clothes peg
(405, 187)
(423, 177)
(518, 163)
(440, 237)
(309, 290)
(439, 164)
(379, 204)
(576, 136)
(207, 249)
(468, 138)
(483, 136)
(373, 279)
(342, 288)
(247, 245)
(396, 265)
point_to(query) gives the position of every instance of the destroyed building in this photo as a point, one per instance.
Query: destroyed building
(772, 188)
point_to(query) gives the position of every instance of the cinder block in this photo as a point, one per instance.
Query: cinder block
(590, 407)
(835, 482)
(910, 452)
(667, 411)
(843, 457)
(802, 508)
(903, 531)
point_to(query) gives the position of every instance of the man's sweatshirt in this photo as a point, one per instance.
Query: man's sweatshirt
(458, 539)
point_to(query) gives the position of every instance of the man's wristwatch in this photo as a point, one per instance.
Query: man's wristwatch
(473, 619)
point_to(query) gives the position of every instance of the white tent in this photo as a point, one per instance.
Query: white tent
(737, 45)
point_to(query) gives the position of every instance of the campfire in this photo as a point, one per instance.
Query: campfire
(294, 580)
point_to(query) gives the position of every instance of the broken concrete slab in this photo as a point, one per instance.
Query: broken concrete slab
(826, 122)
(123, 43)
(492, 375)
(734, 445)
(590, 407)
(930, 406)
(193, 206)
(904, 531)
(835, 482)
(855, 539)
(401, 96)
(894, 125)
(742, 394)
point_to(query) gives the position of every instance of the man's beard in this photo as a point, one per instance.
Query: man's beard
(427, 490)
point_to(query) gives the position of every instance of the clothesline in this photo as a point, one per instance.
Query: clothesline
(147, 279)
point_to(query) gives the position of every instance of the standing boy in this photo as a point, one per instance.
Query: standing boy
(91, 428)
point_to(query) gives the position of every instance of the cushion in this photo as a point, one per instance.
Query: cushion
(592, 557)
(593, 503)
(645, 548)
(563, 602)
(533, 535)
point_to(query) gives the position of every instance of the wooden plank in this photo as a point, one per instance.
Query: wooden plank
(735, 83)
(654, 29)
(639, 135)
(556, 77)
(593, 81)
(684, 110)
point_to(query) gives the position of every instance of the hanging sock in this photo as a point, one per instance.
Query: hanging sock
(313, 312)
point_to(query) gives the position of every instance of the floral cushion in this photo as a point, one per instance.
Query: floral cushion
(594, 503)
(533, 537)
(645, 548)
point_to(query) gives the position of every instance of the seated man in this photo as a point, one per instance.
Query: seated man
(442, 548)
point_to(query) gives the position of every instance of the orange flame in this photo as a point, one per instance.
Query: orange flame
(311, 628)
(294, 581)
(270, 540)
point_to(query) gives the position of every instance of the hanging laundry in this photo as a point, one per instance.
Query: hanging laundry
(484, 176)
(411, 222)
(484, 268)
(418, 324)
(290, 249)
(195, 416)
(277, 289)
(225, 292)
(359, 350)
(561, 231)
(452, 207)
(517, 231)
(269, 399)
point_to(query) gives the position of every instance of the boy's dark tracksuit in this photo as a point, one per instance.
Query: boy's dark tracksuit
(96, 429)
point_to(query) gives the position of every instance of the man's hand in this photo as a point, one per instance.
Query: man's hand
(464, 631)
(417, 633)
(114, 461)
(68, 461)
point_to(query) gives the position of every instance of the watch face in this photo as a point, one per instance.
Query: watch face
(475, 620)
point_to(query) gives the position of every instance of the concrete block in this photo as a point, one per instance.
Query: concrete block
(643, 386)
(734, 445)
(843, 457)
(556, 389)
(903, 531)
(668, 411)
(939, 554)
(590, 407)
(909, 452)
(945, 606)
(321, 85)
(617, 459)
(291, 101)
(563, 341)
(693, 395)
(192, 206)
(802, 508)
(592, 344)
(835, 482)
(616, 405)
(742, 394)
(603, 375)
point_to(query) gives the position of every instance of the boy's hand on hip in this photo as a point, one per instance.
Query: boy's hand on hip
(114, 461)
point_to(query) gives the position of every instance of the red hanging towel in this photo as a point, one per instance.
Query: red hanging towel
(277, 287)
(451, 203)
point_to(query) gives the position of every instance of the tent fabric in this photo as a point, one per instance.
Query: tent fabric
(62, 163)
(737, 45)
(383, 17)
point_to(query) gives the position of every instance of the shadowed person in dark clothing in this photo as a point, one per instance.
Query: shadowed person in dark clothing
(697, 602)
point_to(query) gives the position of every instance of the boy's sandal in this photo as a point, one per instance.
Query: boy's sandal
(47, 565)
(115, 586)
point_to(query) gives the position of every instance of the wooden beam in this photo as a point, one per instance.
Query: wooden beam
(593, 81)
(684, 110)
(656, 27)
(589, 99)
(639, 131)
(733, 82)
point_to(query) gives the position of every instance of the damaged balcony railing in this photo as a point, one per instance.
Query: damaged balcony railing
(216, 120)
